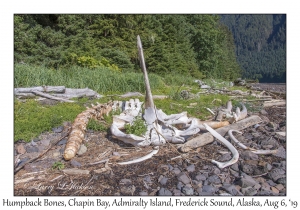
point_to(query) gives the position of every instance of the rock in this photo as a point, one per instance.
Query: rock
(82, 150)
(183, 178)
(75, 171)
(45, 142)
(265, 193)
(279, 187)
(214, 179)
(62, 142)
(249, 191)
(190, 168)
(176, 171)
(41, 148)
(275, 190)
(216, 171)
(75, 163)
(147, 179)
(32, 143)
(247, 155)
(126, 181)
(269, 144)
(187, 190)
(164, 192)
(22, 161)
(127, 190)
(281, 181)
(231, 189)
(209, 189)
(280, 152)
(271, 183)
(58, 129)
(197, 183)
(235, 167)
(143, 193)
(248, 169)
(225, 157)
(163, 181)
(179, 185)
(265, 186)
(36, 139)
(30, 149)
(56, 154)
(176, 192)
(200, 177)
(246, 181)
(276, 173)
(21, 149)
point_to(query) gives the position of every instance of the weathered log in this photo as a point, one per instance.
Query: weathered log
(45, 95)
(46, 89)
(77, 93)
(207, 138)
(274, 103)
(24, 95)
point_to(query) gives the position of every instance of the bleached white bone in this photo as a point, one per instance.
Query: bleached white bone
(235, 153)
(239, 115)
(128, 138)
(148, 156)
(256, 151)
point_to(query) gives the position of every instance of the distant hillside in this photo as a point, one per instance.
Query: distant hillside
(260, 42)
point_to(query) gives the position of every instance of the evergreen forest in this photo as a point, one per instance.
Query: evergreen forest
(190, 45)
(193, 45)
(260, 42)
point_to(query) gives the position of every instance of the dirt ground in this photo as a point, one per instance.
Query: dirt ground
(107, 178)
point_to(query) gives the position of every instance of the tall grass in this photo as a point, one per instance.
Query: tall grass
(101, 80)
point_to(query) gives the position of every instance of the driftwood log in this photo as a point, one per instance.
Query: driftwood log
(207, 138)
(59, 93)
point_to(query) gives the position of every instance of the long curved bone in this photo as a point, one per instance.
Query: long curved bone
(148, 156)
(256, 151)
(235, 153)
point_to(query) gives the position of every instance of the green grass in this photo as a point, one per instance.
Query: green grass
(31, 118)
(102, 79)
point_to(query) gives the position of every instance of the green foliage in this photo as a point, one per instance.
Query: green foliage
(260, 45)
(138, 127)
(58, 165)
(92, 63)
(189, 45)
(96, 125)
(100, 79)
(31, 119)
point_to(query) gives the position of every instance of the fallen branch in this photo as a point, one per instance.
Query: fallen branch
(38, 93)
(274, 103)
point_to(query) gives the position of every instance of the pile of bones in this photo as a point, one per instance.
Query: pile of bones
(163, 128)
